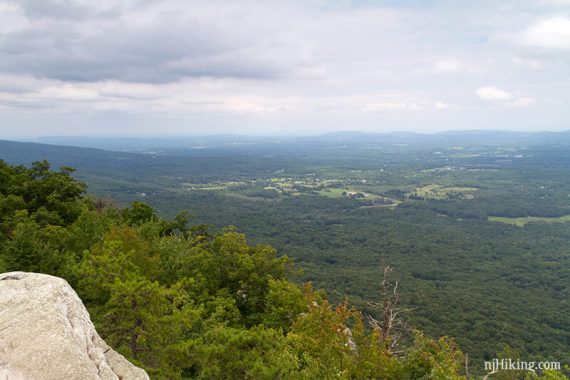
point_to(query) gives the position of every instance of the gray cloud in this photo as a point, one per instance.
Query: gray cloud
(55, 9)
(160, 47)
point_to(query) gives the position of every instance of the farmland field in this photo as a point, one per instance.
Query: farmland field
(521, 222)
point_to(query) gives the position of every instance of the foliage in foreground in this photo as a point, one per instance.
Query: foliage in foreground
(185, 303)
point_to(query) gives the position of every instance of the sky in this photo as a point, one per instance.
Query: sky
(296, 67)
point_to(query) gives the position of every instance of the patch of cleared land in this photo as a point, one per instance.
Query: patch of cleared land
(334, 192)
(440, 192)
(520, 222)
(202, 186)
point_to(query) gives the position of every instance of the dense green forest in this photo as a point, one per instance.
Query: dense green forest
(443, 214)
(184, 303)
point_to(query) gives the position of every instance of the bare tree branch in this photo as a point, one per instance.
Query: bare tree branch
(390, 325)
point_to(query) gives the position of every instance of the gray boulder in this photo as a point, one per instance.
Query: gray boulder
(46, 333)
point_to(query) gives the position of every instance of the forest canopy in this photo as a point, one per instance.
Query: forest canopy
(183, 301)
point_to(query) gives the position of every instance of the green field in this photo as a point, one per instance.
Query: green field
(440, 192)
(206, 187)
(334, 192)
(521, 222)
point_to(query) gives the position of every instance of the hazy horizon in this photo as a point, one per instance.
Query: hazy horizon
(62, 137)
(145, 68)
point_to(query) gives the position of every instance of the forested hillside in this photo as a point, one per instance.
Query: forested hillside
(184, 303)
(475, 225)
(477, 236)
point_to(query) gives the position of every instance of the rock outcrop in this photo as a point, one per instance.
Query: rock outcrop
(46, 333)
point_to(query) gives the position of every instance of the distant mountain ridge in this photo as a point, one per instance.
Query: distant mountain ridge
(142, 144)
(132, 159)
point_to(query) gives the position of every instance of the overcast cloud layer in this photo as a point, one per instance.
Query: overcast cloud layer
(151, 67)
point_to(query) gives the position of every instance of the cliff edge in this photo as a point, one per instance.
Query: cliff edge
(46, 333)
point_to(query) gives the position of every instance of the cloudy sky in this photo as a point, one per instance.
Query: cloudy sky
(172, 67)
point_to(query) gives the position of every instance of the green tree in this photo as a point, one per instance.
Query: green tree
(147, 322)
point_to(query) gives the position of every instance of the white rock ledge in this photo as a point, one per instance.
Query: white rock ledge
(46, 334)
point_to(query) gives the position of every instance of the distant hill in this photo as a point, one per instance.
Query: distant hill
(473, 137)
(87, 161)
(141, 160)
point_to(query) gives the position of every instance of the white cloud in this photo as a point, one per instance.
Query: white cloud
(443, 106)
(68, 92)
(552, 33)
(556, 3)
(523, 101)
(407, 106)
(248, 104)
(7, 7)
(492, 93)
(530, 63)
(447, 66)
(391, 106)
